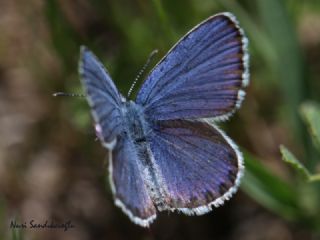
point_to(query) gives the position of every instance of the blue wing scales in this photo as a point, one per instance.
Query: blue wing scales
(199, 166)
(129, 184)
(202, 76)
(103, 97)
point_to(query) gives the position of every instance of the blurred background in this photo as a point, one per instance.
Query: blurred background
(51, 167)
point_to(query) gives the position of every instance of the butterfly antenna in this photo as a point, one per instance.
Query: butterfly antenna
(152, 54)
(63, 94)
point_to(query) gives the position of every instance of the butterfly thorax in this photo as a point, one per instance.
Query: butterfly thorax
(135, 124)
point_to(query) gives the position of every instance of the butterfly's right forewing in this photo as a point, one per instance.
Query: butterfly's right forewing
(202, 76)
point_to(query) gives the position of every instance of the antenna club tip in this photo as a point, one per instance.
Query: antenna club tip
(63, 94)
(56, 94)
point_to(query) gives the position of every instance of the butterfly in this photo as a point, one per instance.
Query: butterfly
(165, 150)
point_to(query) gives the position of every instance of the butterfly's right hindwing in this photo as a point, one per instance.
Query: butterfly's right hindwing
(199, 166)
(103, 97)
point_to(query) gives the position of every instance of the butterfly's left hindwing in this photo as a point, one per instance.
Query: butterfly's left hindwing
(129, 187)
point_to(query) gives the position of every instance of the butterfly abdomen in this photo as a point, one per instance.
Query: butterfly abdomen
(138, 130)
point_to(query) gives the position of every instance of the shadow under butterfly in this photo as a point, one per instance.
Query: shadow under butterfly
(165, 151)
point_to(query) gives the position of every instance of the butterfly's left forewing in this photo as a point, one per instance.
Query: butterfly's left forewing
(103, 97)
(125, 171)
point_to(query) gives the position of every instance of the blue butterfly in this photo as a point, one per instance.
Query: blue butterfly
(166, 153)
